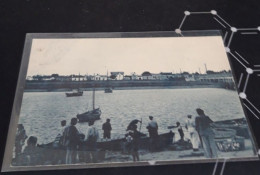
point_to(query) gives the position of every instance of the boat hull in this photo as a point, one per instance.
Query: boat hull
(89, 115)
(239, 125)
(108, 90)
(144, 143)
(74, 94)
(164, 140)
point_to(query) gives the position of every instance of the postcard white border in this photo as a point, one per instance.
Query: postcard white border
(6, 166)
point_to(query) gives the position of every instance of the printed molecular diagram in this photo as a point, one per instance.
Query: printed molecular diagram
(229, 33)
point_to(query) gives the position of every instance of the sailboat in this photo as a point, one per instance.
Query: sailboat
(76, 92)
(92, 114)
(108, 89)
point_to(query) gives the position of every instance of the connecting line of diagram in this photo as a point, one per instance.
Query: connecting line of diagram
(222, 168)
(230, 32)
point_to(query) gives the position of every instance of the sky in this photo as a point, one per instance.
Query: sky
(99, 55)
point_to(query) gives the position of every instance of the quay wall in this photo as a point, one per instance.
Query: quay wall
(117, 84)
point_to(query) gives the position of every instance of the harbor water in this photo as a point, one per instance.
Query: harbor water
(41, 112)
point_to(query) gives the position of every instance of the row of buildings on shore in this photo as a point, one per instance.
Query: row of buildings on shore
(210, 76)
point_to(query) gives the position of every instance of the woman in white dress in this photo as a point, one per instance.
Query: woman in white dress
(194, 136)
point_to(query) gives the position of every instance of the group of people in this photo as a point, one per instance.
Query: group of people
(71, 144)
(133, 135)
(201, 132)
(76, 144)
(30, 151)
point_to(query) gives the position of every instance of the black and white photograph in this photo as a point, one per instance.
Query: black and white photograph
(107, 101)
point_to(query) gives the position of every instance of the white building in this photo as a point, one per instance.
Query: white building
(117, 75)
(189, 77)
(136, 77)
(98, 77)
(78, 78)
(127, 77)
(147, 76)
(165, 75)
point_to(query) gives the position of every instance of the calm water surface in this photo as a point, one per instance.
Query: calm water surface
(42, 112)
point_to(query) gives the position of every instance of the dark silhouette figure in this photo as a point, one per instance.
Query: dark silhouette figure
(31, 152)
(19, 139)
(135, 143)
(203, 126)
(107, 129)
(92, 137)
(180, 130)
(153, 133)
(72, 140)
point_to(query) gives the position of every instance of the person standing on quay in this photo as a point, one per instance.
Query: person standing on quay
(92, 137)
(194, 137)
(19, 140)
(203, 126)
(72, 140)
(152, 127)
(107, 129)
(153, 132)
(135, 143)
(31, 152)
(60, 154)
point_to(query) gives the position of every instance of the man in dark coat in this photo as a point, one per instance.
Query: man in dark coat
(203, 126)
(72, 138)
(135, 143)
(107, 129)
(31, 153)
(133, 124)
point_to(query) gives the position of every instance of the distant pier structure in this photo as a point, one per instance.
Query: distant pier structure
(224, 79)
(215, 78)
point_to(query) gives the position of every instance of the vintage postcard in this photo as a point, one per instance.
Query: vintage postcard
(125, 99)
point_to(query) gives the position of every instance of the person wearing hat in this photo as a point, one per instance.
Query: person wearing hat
(203, 126)
(194, 137)
(153, 132)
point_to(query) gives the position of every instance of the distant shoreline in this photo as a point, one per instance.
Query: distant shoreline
(57, 86)
(126, 88)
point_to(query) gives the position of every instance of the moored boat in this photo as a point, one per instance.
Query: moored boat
(48, 151)
(164, 140)
(90, 115)
(108, 90)
(239, 125)
(74, 93)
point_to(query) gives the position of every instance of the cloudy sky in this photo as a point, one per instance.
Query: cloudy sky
(99, 55)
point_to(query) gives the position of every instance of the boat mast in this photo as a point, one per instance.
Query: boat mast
(107, 78)
(93, 98)
(79, 82)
